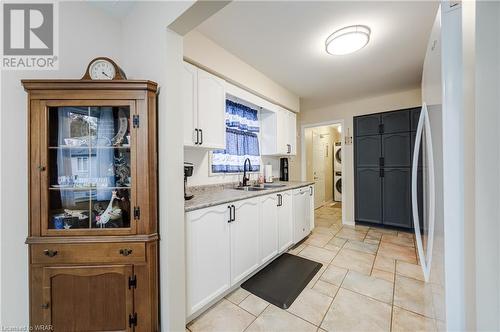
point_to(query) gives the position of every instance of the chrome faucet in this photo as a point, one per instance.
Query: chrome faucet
(245, 178)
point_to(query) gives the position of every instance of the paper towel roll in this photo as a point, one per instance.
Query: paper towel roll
(268, 173)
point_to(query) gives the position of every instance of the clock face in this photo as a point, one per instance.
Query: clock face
(102, 70)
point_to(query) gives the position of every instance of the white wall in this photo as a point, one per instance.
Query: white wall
(346, 112)
(77, 47)
(159, 57)
(202, 50)
(156, 57)
(487, 163)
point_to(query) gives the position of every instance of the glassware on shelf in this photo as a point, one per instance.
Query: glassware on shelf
(90, 172)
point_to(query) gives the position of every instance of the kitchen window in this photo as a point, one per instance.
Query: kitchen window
(242, 140)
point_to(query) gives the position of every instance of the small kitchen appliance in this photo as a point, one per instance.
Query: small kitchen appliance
(188, 171)
(283, 169)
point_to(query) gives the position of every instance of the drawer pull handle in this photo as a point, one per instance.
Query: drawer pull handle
(125, 252)
(50, 253)
(45, 306)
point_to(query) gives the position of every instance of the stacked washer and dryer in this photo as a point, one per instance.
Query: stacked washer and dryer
(337, 172)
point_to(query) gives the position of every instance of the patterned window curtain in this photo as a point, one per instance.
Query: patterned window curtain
(242, 126)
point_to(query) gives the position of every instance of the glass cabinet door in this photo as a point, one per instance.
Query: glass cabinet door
(90, 168)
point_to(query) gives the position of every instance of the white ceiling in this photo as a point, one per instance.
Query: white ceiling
(285, 41)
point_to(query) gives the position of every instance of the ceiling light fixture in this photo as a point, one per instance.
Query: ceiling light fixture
(348, 40)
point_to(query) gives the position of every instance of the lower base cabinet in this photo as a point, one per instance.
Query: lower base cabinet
(396, 194)
(76, 292)
(95, 298)
(208, 266)
(369, 195)
(228, 242)
(269, 226)
(244, 231)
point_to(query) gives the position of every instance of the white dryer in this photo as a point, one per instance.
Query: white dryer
(337, 157)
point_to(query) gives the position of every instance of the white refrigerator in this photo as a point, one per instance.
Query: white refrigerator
(427, 176)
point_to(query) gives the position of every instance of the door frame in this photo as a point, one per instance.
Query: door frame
(303, 154)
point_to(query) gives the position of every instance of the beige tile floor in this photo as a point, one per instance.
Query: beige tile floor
(370, 281)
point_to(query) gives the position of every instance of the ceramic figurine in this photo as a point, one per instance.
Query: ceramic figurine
(76, 213)
(111, 213)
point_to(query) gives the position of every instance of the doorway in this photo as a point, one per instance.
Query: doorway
(323, 163)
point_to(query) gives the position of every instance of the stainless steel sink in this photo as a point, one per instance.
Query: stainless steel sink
(250, 188)
(270, 186)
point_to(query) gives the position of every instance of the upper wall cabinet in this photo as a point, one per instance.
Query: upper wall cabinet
(279, 133)
(203, 107)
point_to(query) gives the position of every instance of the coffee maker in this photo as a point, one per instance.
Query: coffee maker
(283, 169)
(188, 171)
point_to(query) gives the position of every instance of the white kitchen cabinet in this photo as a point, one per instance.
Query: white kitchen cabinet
(269, 227)
(302, 210)
(285, 221)
(279, 132)
(244, 229)
(292, 133)
(189, 95)
(208, 255)
(203, 107)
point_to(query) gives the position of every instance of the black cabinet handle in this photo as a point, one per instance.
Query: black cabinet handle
(381, 161)
(44, 306)
(381, 128)
(125, 252)
(232, 213)
(197, 136)
(310, 191)
(201, 136)
(382, 173)
(41, 168)
(279, 199)
(50, 253)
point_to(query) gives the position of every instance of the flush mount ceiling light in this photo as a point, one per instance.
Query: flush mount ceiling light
(348, 40)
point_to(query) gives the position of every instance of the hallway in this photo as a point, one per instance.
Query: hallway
(369, 282)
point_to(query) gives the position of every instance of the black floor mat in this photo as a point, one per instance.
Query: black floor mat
(282, 280)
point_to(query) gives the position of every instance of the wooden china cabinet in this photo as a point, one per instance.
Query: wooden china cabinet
(93, 240)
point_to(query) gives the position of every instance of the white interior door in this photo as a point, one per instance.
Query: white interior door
(318, 169)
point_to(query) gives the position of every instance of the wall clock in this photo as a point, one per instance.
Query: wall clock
(103, 68)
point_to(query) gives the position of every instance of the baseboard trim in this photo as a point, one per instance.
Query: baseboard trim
(348, 223)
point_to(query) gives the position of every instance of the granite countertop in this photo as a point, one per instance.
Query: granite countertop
(211, 195)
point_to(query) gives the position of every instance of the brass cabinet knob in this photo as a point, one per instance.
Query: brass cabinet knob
(125, 252)
(50, 253)
(41, 168)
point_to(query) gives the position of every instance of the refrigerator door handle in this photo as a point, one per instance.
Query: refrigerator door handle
(423, 121)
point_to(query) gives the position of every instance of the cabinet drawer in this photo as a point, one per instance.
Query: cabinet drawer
(88, 253)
